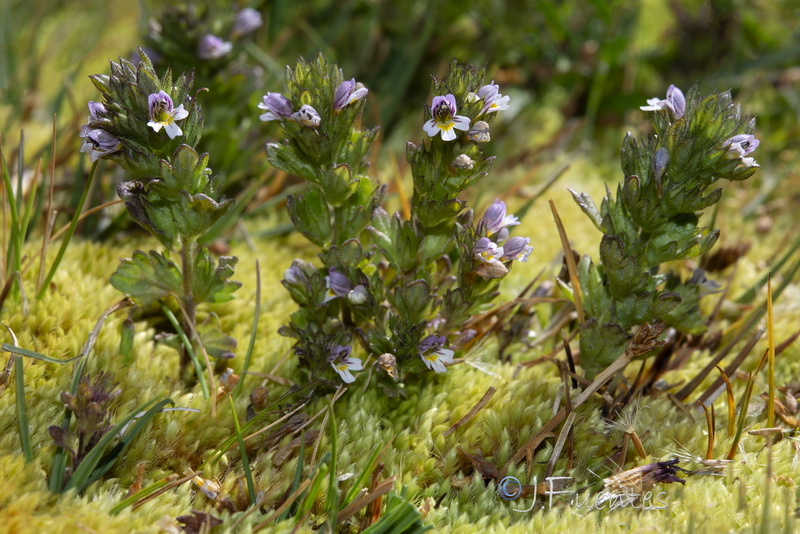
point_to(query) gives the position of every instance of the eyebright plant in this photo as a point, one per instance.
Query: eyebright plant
(150, 126)
(654, 218)
(395, 289)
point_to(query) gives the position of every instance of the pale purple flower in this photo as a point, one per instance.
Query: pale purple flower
(495, 218)
(247, 20)
(94, 109)
(492, 100)
(338, 285)
(348, 92)
(433, 354)
(741, 145)
(342, 363)
(487, 251)
(277, 107)
(307, 116)
(212, 47)
(99, 143)
(162, 114)
(517, 248)
(675, 102)
(444, 118)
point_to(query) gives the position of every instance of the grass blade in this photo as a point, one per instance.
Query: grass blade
(248, 475)
(36, 355)
(253, 332)
(81, 475)
(332, 502)
(197, 369)
(13, 254)
(22, 407)
(745, 405)
(351, 495)
(70, 232)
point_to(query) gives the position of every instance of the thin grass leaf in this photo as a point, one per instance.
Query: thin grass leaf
(332, 502)
(126, 333)
(109, 459)
(744, 406)
(248, 475)
(771, 350)
(320, 470)
(13, 254)
(36, 355)
(22, 407)
(253, 332)
(70, 233)
(81, 475)
(731, 402)
(29, 209)
(149, 490)
(197, 368)
(353, 493)
(298, 476)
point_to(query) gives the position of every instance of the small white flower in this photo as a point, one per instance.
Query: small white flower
(342, 363)
(444, 118)
(487, 251)
(435, 360)
(307, 116)
(162, 114)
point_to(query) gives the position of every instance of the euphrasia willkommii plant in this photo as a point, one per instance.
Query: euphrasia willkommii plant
(654, 219)
(398, 288)
(150, 126)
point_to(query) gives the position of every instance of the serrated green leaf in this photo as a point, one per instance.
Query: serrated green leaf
(147, 277)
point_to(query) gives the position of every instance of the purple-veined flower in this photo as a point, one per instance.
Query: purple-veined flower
(741, 145)
(517, 248)
(444, 118)
(99, 143)
(495, 218)
(348, 92)
(163, 115)
(307, 116)
(492, 100)
(675, 102)
(212, 47)
(277, 107)
(433, 354)
(487, 251)
(342, 363)
(338, 285)
(247, 20)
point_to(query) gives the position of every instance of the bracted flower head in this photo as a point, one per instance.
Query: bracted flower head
(492, 100)
(342, 363)
(675, 102)
(338, 285)
(495, 218)
(212, 47)
(444, 118)
(741, 145)
(162, 114)
(99, 143)
(307, 116)
(517, 248)
(433, 354)
(348, 92)
(247, 20)
(277, 107)
(486, 251)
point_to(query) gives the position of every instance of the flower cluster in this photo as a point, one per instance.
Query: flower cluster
(654, 219)
(402, 287)
(168, 188)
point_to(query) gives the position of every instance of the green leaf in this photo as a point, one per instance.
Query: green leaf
(311, 216)
(211, 282)
(148, 277)
(600, 346)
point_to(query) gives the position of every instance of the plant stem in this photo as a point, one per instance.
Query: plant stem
(188, 253)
